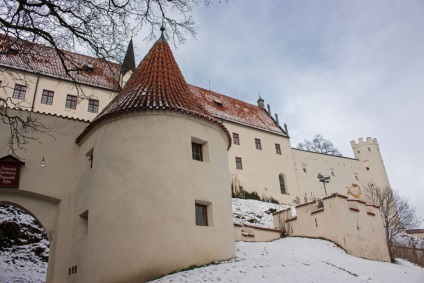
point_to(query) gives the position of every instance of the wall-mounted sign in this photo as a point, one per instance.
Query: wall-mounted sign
(10, 169)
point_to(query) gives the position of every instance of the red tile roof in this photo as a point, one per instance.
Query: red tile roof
(157, 84)
(40, 59)
(233, 110)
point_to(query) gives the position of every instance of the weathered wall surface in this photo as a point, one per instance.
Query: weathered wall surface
(141, 193)
(261, 168)
(351, 224)
(343, 173)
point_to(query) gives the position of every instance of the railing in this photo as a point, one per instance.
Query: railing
(414, 255)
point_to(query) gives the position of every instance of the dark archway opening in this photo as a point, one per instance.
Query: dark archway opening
(24, 246)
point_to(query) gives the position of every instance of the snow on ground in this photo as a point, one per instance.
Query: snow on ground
(255, 212)
(299, 260)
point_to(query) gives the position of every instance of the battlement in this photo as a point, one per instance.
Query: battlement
(369, 141)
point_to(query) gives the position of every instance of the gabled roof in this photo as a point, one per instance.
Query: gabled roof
(233, 110)
(43, 60)
(157, 84)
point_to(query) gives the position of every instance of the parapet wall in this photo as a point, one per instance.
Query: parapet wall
(250, 233)
(351, 224)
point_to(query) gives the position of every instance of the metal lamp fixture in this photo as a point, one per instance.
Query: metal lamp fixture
(324, 179)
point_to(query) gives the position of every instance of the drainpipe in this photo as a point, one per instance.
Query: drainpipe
(35, 92)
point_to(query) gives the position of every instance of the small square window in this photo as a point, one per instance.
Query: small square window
(19, 92)
(368, 168)
(71, 102)
(196, 150)
(201, 214)
(239, 165)
(47, 97)
(258, 144)
(277, 149)
(304, 170)
(236, 139)
(93, 105)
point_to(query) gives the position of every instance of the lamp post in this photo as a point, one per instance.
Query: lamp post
(324, 179)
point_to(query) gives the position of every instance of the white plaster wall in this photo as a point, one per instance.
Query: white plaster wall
(141, 195)
(47, 192)
(260, 234)
(344, 170)
(261, 168)
(35, 86)
(370, 162)
(360, 233)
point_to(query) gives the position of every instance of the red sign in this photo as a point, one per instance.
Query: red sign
(9, 175)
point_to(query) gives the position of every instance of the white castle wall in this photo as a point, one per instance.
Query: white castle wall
(351, 224)
(261, 168)
(35, 86)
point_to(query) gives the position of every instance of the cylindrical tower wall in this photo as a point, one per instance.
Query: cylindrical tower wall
(140, 195)
(371, 163)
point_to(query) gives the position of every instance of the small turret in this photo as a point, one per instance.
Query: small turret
(261, 102)
(371, 163)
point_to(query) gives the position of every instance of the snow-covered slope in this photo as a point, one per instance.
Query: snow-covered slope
(254, 212)
(24, 247)
(299, 260)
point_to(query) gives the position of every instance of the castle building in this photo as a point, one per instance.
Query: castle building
(136, 181)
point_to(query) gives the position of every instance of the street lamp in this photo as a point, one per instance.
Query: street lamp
(324, 179)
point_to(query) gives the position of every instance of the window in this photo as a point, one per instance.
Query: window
(47, 97)
(19, 91)
(236, 139)
(277, 149)
(196, 150)
(71, 102)
(304, 170)
(239, 165)
(282, 184)
(201, 214)
(258, 144)
(369, 149)
(93, 106)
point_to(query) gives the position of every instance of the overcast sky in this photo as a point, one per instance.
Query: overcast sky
(344, 69)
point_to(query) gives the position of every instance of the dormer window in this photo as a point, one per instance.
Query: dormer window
(217, 102)
(12, 50)
(88, 68)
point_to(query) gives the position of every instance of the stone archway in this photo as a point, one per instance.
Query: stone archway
(24, 245)
(45, 210)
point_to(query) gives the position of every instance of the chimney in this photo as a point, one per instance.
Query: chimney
(269, 110)
(276, 119)
(261, 102)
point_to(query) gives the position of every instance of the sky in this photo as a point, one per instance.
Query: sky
(343, 69)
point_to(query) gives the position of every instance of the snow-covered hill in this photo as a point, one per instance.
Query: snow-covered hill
(299, 260)
(24, 247)
(285, 260)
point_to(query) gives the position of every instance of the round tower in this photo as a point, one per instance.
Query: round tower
(156, 197)
(371, 165)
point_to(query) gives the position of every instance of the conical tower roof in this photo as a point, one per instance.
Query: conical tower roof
(157, 84)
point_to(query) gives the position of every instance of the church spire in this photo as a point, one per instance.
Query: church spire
(129, 60)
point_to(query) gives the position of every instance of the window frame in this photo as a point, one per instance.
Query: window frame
(239, 163)
(236, 138)
(195, 154)
(258, 144)
(71, 101)
(283, 187)
(92, 106)
(47, 97)
(278, 149)
(202, 218)
(19, 91)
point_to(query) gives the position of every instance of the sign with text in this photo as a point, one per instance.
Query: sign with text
(9, 175)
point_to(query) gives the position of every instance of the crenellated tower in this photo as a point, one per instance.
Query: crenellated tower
(371, 163)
